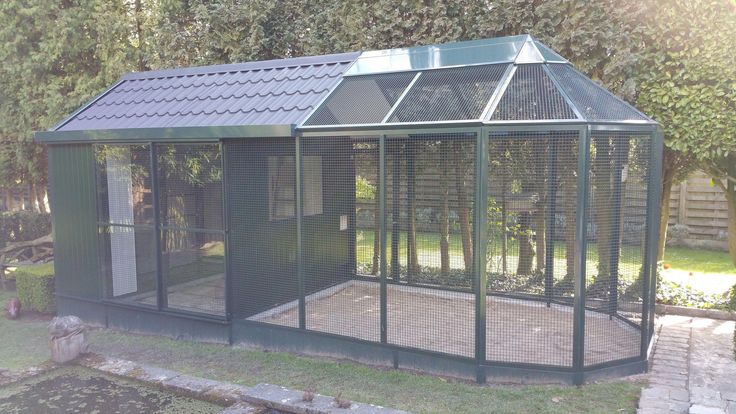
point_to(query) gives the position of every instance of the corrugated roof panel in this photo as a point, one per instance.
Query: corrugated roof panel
(264, 93)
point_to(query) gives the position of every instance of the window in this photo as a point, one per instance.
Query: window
(282, 189)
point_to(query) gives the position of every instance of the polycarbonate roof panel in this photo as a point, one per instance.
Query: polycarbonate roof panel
(277, 92)
(473, 52)
(460, 93)
(594, 102)
(362, 99)
(532, 95)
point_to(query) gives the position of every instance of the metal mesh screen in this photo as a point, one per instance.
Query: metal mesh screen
(124, 184)
(594, 102)
(367, 208)
(615, 255)
(189, 191)
(336, 302)
(362, 99)
(125, 217)
(532, 194)
(429, 191)
(532, 95)
(262, 204)
(449, 94)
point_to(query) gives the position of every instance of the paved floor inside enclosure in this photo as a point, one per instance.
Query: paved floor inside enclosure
(522, 331)
(206, 295)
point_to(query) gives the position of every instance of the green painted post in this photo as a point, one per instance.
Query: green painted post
(479, 246)
(581, 225)
(160, 282)
(299, 241)
(382, 214)
(649, 265)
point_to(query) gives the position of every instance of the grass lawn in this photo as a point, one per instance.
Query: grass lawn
(700, 261)
(24, 344)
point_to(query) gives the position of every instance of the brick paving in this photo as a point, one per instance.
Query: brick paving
(693, 368)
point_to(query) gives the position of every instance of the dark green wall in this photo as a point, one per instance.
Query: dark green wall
(74, 211)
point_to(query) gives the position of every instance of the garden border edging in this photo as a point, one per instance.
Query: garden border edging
(695, 312)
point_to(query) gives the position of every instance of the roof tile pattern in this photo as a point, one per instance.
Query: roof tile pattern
(259, 93)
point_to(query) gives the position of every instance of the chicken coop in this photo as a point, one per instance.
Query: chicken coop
(475, 209)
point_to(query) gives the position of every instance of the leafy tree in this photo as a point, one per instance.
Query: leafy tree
(687, 77)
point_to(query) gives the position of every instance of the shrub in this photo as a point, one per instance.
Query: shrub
(671, 293)
(18, 226)
(35, 287)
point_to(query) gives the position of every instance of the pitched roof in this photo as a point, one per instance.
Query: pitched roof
(275, 92)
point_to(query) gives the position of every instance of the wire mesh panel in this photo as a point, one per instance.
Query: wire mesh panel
(594, 102)
(531, 207)
(531, 95)
(189, 191)
(449, 94)
(367, 207)
(362, 99)
(261, 187)
(336, 301)
(125, 216)
(616, 234)
(430, 202)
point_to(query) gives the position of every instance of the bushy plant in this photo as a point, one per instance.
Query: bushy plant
(672, 293)
(18, 226)
(35, 288)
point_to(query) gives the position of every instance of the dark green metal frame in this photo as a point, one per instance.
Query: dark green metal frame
(279, 337)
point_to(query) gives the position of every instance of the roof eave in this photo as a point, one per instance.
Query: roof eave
(200, 133)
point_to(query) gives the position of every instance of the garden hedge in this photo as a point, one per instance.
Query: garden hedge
(35, 288)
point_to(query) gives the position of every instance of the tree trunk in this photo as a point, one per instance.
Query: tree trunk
(602, 205)
(41, 197)
(541, 244)
(445, 212)
(539, 219)
(664, 214)
(376, 222)
(570, 189)
(463, 209)
(411, 231)
(526, 249)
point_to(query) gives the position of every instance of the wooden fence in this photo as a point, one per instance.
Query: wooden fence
(702, 208)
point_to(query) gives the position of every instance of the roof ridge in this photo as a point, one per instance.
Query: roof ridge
(301, 61)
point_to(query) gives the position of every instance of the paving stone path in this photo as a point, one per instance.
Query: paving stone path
(693, 369)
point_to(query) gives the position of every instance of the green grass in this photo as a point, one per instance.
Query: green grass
(36, 269)
(681, 258)
(394, 388)
(24, 343)
(700, 260)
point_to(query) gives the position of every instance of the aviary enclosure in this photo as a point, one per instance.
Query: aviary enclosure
(479, 208)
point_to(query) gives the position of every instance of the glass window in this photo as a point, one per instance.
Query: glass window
(282, 191)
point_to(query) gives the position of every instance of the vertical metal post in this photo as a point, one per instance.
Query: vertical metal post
(480, 228)
(161, 293)
(299, 241)
(549, 256)
(382, 214)
(226, 230)
(581, 225)
(649, 265)
(620, 152)
(395, 208)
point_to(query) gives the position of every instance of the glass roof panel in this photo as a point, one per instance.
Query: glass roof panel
(531, 95)
(593, 101)
(460, 93)
(362, 99)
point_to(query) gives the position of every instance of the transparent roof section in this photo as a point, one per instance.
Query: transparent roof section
(449, 94)
(362, 99)
(593, 101)
(504, 80)
(532, 95)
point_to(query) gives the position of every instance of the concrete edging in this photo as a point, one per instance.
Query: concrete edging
(695, 312)
(234, 398)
